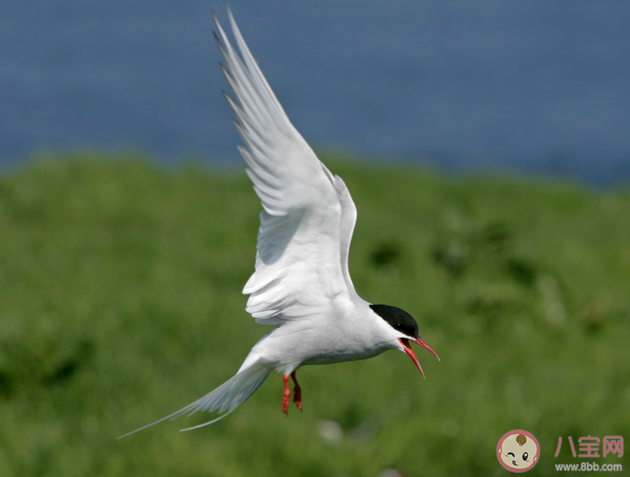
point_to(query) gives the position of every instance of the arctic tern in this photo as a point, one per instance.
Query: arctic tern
(301, 284)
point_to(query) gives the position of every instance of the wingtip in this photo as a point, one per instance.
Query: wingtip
(233, 25)
(214, 13)
(215, 20)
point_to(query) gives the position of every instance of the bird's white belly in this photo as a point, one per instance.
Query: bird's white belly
(328, 341)
(341, 355)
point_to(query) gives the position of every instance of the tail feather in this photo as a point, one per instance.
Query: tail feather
(224, 399)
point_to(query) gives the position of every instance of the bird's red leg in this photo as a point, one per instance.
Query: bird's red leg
(297, 392)
(286, 395)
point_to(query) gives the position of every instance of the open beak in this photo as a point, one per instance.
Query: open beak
(405, 344)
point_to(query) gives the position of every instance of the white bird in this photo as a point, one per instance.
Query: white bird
(301, 284)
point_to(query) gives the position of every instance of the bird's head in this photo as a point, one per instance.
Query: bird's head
(405, 330)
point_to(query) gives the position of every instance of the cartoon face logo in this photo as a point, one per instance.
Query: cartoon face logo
(518, 451)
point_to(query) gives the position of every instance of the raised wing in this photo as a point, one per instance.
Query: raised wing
(308, 217)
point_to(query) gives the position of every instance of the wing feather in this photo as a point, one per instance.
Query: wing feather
(308, 214)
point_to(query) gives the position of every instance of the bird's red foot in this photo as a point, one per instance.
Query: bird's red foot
(297, 392)
(286, 395)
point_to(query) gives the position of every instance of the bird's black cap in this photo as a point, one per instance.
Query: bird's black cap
(398, 319)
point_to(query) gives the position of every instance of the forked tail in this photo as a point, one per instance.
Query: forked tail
(224, 399)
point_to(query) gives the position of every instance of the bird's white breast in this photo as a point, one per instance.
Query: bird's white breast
(346, 331)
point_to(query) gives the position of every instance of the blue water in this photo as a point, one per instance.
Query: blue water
(532, 86)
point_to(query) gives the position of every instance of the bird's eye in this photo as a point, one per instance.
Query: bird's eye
(511, 453)
(525, 455)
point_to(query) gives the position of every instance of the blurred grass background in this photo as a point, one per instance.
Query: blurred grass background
(120, 289)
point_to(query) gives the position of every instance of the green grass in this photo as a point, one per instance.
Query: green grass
(120, 303)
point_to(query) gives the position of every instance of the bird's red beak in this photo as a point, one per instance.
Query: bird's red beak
(405, 344)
